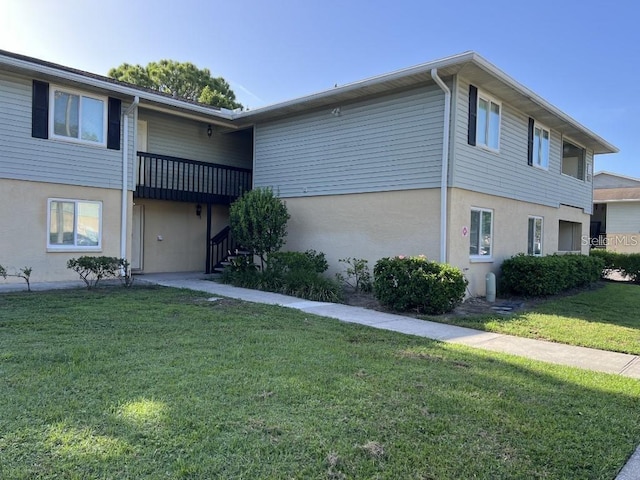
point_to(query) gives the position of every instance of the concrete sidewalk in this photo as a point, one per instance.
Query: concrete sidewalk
(581, 357)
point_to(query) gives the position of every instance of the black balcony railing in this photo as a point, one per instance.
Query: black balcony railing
(162, 177)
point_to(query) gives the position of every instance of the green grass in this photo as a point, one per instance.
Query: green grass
(606, 318)
(148, 383)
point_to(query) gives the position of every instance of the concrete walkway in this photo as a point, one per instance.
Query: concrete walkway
(586, 358)
(581, 357)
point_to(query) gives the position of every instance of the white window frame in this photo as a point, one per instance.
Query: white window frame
(530, 247)
(80, 94)
(584, 159)
(536, 161)
(75, 247)
(480, 256)
(482, 138)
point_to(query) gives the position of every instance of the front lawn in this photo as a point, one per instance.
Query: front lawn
(607, 318)
(148, 383)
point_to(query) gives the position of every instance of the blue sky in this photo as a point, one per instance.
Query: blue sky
(580, 55)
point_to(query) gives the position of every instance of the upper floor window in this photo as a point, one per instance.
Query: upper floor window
(573, 160)
(74, 225)
(67, 114)
(541, 140)
(484, 120)
(76, 116)
(480, 234)
(488, 126)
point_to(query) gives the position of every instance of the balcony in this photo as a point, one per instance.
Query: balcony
(161, 177)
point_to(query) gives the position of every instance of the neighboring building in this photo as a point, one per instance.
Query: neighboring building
(615, 223)
(360, 166)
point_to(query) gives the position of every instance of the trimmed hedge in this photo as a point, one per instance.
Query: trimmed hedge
(625, 263)
(538, 276)
(415, 283)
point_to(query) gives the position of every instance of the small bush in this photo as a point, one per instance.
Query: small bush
(310, 261)
(242, 272)
(24, 273)
(94, 269)
(357, 276)
(538, 276)
(290, 273)
(625, 263)
(415, 283)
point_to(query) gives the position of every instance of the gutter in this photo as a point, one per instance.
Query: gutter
(125, 178)
(445, 164)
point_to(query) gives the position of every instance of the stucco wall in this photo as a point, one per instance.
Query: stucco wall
(510, 231)
(366, 225)
(23, 235)
(174, 237)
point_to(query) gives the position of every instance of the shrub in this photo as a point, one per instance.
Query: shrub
(310, 260)
(24, 273)
(94, 269)
(415, 283)
(625, 263)
(538, 276)
(357, 276)
(290, 273)
(241, 272)
(258, 222)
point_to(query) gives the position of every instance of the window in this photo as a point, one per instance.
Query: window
(74, 225)
(481, 241)
(488, 123)
(573, 160)
(484, 120)
(535, 236)
(569, 236)
(79, 117)
(541, 138)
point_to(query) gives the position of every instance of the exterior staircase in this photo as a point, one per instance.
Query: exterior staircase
(223, 250)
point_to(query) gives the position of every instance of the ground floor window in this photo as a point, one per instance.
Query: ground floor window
(535, 236)
(481, 238)
(569, 236)
(74, 224)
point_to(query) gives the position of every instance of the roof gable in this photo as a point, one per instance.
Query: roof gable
(605, 180)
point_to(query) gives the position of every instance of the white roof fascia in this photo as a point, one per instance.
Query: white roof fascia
(122, 89)
(417, 69)
(503, 77)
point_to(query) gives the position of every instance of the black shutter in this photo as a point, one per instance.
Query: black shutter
(473, 114)
(40, 110)
(530, 142)
(113, 122)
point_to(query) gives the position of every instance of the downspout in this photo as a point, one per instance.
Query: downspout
(125, 178)
(445, 164)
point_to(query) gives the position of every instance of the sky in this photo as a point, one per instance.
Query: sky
(580, 55)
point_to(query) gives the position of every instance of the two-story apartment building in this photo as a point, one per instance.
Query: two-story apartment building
(452, 159)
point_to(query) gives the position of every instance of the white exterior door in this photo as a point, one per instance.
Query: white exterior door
(137, 237)
(137, 220)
